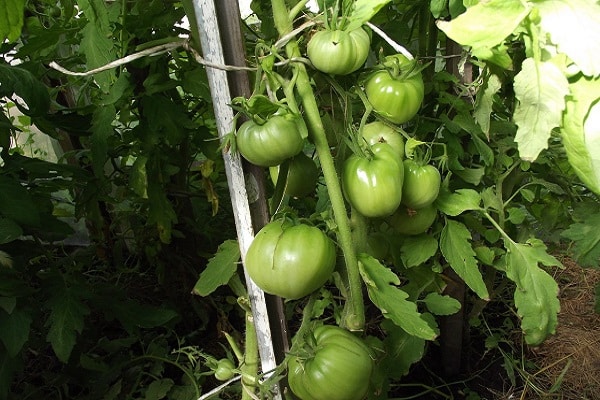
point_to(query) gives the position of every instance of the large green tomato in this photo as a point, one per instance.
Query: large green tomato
(374, 186)
(339, 52)
(378, 132)
(397, 93)
(421, 184)
(269, 144)
(407, 221)
(290, 261)
(339, 368)
(301, 176)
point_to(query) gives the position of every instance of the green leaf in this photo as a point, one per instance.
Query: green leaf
(456, 203)
(138, 177)
(438, 8)
(581, 131)
(441, 305)
(8, 366)
(16, 203)
(97, 43)
(401, 350)
(66, 319)
(456, 249)
(540, 88)
(102, 130)
(536, 295)
(415, 250)
(15, 330)
(159, 389)
(484, 102)
(567, 22)
(486, 24)
(11, 19)
(516, 215)
(382, 288)
(219, 269)
(9, 231)
(586, 238)
(363, 11)
(21, 82)
(160, 210)
(8, 304)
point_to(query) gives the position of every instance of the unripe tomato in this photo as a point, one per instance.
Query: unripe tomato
(290, 261)
(374, 186)
(301, 176)
(421, 184)
(225, 369)
(396, 96)
(338, 367)
(271, 143)
(407, 221)
(378, 132)
(339, 52)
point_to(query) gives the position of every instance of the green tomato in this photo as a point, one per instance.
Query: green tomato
(421, 184)
(378, 132)
(374, 186)
(225, 369)
(339, 52)
(339, 367)
(407, 221)
(396, 97)
(290, 261)
(301, 177)
(272, 142)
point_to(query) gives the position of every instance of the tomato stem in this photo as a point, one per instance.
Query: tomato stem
(354, 307)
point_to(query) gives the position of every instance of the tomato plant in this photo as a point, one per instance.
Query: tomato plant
(301, 176)
(271, 142)
(421, 184)
(379, 132)
(339, 52)
(225, 369)
(374, 186)
(408, 221)
(397, 91)
(337, 366)
(289, 260)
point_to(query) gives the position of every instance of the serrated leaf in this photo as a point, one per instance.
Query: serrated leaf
(485, 101)
(441, 304)
(363, 11)
(581, 131)
(516, 215)
(455, 244)
(11, 19)
(21, 82)
(586, 238)
(102, 129)
(9, 231)
(15, 330)
(540, 88)
(382, 288)
(567, 22)
(415, 250)
(219, 269)
(536, 296)
(455, 203)
(401, 350)
(16, 203)
(66, 319)
(159, 389)
(486, 24)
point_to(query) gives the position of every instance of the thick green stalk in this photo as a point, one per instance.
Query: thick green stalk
(249, 367)
(354, 316)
